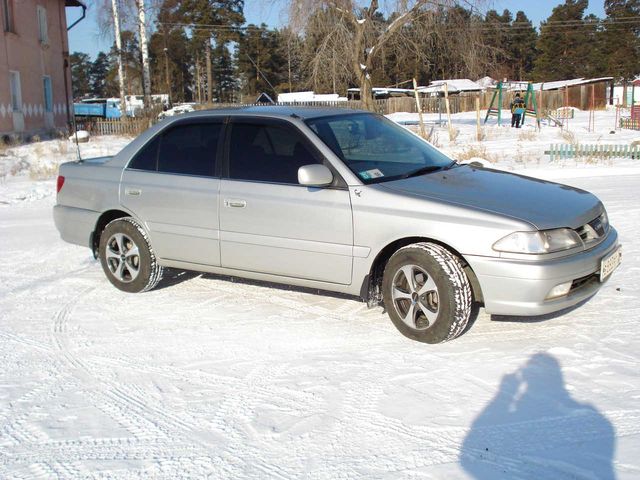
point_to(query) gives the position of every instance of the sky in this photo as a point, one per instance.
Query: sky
(85, 36)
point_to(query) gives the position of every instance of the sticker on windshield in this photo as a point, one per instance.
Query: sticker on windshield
(369, 174)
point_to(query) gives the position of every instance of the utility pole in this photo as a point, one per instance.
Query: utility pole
(166, 72)
(207, 57)
(116, 28)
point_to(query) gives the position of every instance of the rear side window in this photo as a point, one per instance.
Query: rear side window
(267, 153)
(185, 149)
(147, 158)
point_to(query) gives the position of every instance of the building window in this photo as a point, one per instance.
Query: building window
(48, 94)
(7, 15)
(16, 92)
(43, 34)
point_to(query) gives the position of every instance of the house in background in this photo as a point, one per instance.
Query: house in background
(35, 77)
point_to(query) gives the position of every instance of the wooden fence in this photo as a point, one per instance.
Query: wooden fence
(630, 124)
(547, 102)
(561, 151)
(132, 126)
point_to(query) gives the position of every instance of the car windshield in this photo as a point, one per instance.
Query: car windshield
(377, 149)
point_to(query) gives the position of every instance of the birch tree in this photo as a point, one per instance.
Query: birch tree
(118, 41)
(144, 50)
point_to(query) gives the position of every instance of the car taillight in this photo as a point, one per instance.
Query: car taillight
(59, 183)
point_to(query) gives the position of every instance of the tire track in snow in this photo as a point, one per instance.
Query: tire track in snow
(130, 410)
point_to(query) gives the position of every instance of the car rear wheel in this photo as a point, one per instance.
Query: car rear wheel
(127, 258)
(427, 293)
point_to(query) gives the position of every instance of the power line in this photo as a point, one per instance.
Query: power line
(548, 25)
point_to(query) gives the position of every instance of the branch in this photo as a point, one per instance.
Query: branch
(396, 25)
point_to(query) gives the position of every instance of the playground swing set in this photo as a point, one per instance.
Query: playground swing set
(531, 105)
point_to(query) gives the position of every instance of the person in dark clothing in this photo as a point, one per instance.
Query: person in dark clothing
(517, 109)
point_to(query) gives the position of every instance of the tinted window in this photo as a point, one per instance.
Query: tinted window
(267, 153)
(187, 149)
(147, 157)
(190, 149)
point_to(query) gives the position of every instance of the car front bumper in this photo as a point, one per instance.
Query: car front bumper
(520, 287)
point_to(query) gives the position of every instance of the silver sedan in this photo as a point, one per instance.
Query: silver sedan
(337, 200)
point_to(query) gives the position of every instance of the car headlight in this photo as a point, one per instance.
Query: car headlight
(545, 241)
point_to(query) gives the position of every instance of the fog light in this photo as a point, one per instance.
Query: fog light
(559, 290)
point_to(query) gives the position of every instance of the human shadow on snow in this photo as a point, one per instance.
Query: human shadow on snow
(533, 428)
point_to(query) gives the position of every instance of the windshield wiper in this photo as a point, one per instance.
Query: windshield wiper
(422, 171)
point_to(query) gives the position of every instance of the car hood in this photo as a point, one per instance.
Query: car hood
(543, 204)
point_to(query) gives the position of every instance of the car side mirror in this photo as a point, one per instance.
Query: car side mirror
(314, 175)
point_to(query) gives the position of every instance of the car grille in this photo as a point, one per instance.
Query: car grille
(594, 231)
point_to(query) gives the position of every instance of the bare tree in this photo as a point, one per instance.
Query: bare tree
(356, 39)
(365, 41)
(118, 39)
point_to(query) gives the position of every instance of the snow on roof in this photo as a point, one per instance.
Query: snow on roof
(384, 90)
(487, 82)
(453, 86)
(569, 83)
(296, 97)
(309, 96)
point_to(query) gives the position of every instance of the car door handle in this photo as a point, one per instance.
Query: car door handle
(132, 191)
(235, 203)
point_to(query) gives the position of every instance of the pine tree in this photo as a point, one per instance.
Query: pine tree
(98, 75)
(621, 40)
(523, 46)
(213, 20)
(565, 48)
(260, 62)
(224, 73)
(80, 74)
(170, 54)
(498, 37)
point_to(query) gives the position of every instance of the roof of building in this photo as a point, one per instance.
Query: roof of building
(309, 96)
(385, 90)
(569, 83)
(453, 86)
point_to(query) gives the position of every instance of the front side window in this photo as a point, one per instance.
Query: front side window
(16, 91)
(48, 94)
(43, 32)
(377, 149)
(184, 149)
(267, 153)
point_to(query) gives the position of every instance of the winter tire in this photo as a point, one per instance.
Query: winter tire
(127, 258)
(426, 293)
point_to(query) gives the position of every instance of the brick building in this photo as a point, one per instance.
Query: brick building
(35, 79)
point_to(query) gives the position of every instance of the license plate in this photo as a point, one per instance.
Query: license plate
(609, 263)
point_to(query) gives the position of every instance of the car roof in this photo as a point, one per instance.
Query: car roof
(275, 111)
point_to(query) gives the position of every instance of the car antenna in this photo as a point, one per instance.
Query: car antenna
(75, 133)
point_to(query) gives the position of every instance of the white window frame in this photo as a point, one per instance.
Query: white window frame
(15, 90)
(43, 31)
(48, 94)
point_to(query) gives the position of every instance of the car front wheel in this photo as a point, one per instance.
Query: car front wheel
(127, 258)
(427, 293)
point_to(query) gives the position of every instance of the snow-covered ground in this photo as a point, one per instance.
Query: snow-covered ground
(211, 378)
